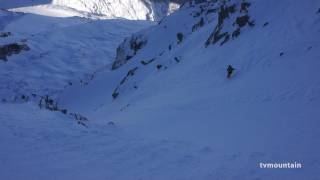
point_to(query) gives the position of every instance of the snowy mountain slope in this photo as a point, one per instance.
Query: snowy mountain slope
(8, 4)
(166, 88)
(128, 9)
(37, 143)
(6, 17)
(57, 11)
(62, 52)
(166, 109)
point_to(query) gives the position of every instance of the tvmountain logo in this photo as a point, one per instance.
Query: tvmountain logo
(288, 165)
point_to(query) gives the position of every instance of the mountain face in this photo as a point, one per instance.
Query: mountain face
(51, 53)
(121, 99)
(129, 9)
(170, 82)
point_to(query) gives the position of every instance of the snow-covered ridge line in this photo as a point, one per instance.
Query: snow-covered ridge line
(128, 9)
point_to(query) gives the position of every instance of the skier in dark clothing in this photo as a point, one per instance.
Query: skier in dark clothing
(230, 70)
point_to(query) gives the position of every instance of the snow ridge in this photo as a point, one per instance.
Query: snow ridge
(128, 9)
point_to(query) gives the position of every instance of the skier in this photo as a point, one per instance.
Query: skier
(230, 70)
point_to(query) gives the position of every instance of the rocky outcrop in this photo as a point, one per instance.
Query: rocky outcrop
(127, 49)
(9, 49)
(240, 18)
(5, 34)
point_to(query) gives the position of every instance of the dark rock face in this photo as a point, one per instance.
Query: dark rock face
(50, 104)
(198, 25)
(128, 49)
(5, 34)
(147, 62)
(244, 20)
(236, 33)
(130, 73)
(159, 66)
(244, 7)
(115, 94)
(227, 12)
(223, 14)
(9, 49)
(265, 24)
(180, 37)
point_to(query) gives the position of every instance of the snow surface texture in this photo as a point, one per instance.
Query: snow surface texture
(167, 110)
(62, 51)
(102, 9)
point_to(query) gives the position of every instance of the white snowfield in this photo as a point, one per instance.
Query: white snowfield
(167, 111)
(62, 51)
(103, 9)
